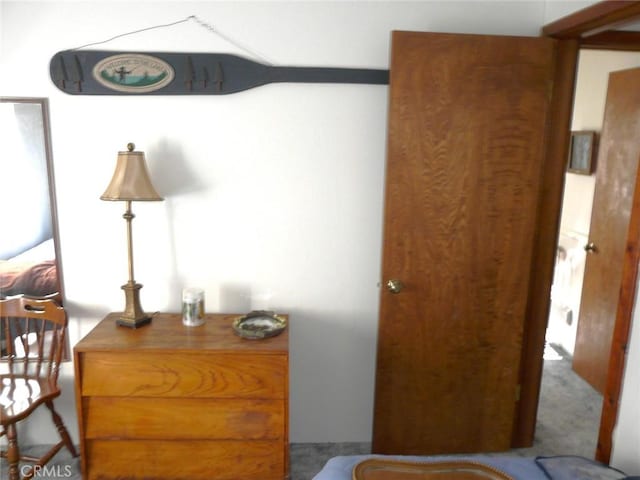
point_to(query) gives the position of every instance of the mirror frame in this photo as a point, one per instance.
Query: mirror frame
(46, 136)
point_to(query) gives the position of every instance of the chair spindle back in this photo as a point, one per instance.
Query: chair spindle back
(32, 332)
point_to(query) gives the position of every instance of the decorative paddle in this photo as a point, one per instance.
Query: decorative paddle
(99, 72)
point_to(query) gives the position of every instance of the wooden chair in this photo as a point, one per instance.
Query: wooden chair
(32, 333)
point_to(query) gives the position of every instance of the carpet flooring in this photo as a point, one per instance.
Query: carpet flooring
(568, 422)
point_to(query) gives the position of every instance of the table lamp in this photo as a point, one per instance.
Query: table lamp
(131, 183)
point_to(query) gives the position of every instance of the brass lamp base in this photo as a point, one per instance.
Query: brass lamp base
(133, 315)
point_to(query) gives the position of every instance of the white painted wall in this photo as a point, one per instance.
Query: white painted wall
(277, 190)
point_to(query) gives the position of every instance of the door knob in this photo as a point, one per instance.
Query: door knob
(591, 248)
(394, 285)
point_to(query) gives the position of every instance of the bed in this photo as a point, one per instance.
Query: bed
(382, 467)
(32, 273)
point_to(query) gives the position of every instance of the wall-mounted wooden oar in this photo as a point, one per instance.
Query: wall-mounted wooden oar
(98, 72)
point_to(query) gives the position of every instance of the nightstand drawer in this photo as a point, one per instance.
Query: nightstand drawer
(192, 460)
(183, 375)
(188, 418)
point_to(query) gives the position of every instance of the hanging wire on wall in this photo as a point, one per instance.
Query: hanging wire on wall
(194, 18)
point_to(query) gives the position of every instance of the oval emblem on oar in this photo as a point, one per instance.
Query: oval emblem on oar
(133, 73)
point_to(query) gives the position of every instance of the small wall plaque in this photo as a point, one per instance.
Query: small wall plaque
(582, 152)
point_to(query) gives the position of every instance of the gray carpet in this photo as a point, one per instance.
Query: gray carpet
(568, 422)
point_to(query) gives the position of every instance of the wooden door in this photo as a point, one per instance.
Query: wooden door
(615, 184)
(466, 150)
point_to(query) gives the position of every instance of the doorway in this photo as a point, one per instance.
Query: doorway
(591, 88)
(589, 28)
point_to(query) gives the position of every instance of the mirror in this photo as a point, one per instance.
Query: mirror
(29, 254)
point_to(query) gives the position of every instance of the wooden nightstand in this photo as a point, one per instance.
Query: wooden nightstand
(176, 402)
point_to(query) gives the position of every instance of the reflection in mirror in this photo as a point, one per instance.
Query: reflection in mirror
(29, 259)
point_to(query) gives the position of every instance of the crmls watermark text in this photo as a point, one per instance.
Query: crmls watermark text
(48, 471)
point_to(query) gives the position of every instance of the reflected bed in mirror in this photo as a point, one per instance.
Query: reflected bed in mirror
(29, 259)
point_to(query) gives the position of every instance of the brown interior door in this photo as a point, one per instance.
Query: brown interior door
(615, 183)
(466, 148)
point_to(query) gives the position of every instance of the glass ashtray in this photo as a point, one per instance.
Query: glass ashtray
(257, 325)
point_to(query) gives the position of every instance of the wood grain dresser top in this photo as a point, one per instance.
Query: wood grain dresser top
(166, 331)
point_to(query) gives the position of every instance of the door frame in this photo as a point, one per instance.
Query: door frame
(590, 28)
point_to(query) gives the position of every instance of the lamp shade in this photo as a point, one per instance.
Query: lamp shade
(131, 179)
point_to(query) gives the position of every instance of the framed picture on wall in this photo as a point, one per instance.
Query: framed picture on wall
(582, 152)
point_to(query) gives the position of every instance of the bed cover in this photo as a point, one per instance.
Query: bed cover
(32, 273)
(520, 468)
